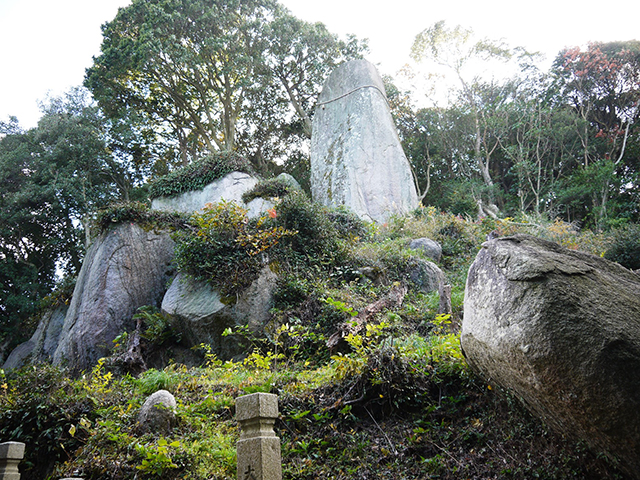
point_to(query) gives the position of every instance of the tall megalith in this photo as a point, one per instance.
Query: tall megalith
(356, 157)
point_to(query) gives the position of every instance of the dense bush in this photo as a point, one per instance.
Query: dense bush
(317, 240)
(199, 174)
(139, 213)
(38, 406)
(625, 247)
(224, 248)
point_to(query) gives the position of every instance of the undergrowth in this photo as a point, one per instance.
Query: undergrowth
(394, 400)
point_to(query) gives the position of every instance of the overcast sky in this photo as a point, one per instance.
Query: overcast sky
(45, 45)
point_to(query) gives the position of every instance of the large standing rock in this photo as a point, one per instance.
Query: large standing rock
(230, 188)
(43, 343)
(356, 156)
(200, 314)
(561, 329)
(123, 270)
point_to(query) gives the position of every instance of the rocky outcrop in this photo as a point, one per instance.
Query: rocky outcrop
(158, 413)
(229, 188)
(200, 314)
(356, 156)
(43, 343)
(123, 270)
(560, 329)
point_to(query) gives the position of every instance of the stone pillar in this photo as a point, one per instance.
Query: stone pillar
(10, 455)
(258, 447)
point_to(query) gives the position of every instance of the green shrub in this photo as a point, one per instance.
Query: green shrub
(291, 290)
(625, 247)
(225, 249)
(38, 406)
(140, 214)
(199, 174)
(317, 240)
(348, 224)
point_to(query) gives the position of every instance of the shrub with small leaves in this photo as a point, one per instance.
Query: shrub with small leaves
(226, 247)
(199, 174)
(625, 247)
(140, 214)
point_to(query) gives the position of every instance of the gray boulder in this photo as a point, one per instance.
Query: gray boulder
(430, 248)
(123, 270)
(229, 188)
(158, 413)
(560, 329)
(356, 156)
(425, 275)
(200, 314)
(43, 343)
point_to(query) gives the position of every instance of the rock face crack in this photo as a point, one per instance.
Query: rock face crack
(561, 329)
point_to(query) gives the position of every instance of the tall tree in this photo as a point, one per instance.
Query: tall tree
(54, 176)
(602, 86)
(199, 71)
(455, 50)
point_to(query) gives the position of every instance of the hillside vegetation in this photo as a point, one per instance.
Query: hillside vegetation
(393, 400)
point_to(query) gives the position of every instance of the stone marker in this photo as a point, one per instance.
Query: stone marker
(10, 455)
(258, 448)
(356, 156)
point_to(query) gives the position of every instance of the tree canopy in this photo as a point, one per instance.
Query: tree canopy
(54, 177)
(205, 75)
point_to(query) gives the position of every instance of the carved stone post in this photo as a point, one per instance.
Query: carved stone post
(258, 447)
(10, 455)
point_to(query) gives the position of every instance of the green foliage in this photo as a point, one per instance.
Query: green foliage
(226, 249)
(625, 247)
(53, 177)
(317, 240)
(61, 295)
(153, 380)
(156, 459)
(38, 406)
(157, 326)
(349, 225)
(271, 64)
(198, 174)
(140, 214)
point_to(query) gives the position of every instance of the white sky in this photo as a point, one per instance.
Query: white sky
(45, 45)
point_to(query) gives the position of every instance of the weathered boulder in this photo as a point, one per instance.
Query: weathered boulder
(124, 269)
(43, 343)
(356, 157)
(430, 248)
(229, 188)
(425, 275)
(158, 413)
(200, 314)
(561, 329)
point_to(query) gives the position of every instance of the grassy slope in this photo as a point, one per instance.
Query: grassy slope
(397, 401)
